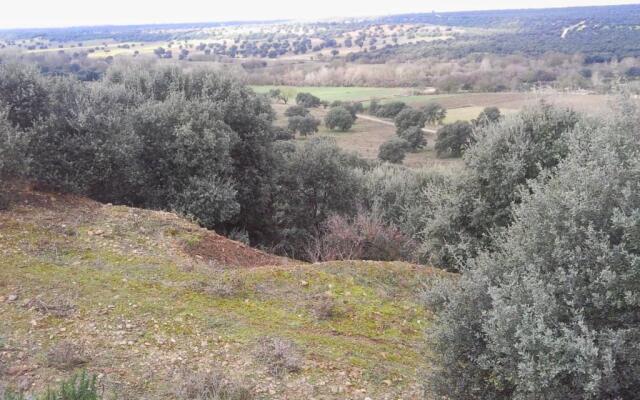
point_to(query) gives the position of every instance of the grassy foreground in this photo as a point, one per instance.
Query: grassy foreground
(120, 292)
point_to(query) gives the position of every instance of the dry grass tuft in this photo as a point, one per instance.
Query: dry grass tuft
(212, 386)
(66, 355)
(280, 355)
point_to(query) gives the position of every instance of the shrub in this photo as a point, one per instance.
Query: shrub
(280, 355)
(80, 387)
(490, 115)
(365, 237)
(390, 110)
(414, 135)
(296, 110)
(280, 133)
(434, 113)
(307, 100)
(373, 107)
(212, 386)
(547, 314)
(66, 355)
(339, 118)
(324, 307)
(393, 150)
(408, 118)
(453, 139)
(317, 180)
(352, 106)
(304, 125)
(505, 156)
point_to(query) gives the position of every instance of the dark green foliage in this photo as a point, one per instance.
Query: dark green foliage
(373, 107)
(339, 118)
(353, 107)
(408, 118)
(505, 157)
(304, 125)
(280, 133)
(390, 110)
(317, 180)
(307, 100)
(434, 113)
(296, 110)
(414, 135)
(157, 138)
(453, 139)
(393, 150)
(489, 115)
(548, 313)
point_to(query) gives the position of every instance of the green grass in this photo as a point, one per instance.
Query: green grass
(134, 274)
(333, 93)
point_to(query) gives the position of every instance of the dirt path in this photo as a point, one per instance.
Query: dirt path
(386, 122)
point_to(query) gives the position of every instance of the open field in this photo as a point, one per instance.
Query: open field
(472, 101)
(130, 290)
(333, 93)
(367, 134)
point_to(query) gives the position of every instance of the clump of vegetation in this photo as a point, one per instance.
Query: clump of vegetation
(408, 118)
(212, 386)
(490, 115)
(394, 150)
(554, 290)
(281, 356)
(414, 135)
(504, 158)
(296, 110)
(79, 387)
(325, 308)
(389, 110)
(66, 355)
(339, 118)
(453, 139)
(365, 237)
(434, 113)
(305, 126)
(307, 100)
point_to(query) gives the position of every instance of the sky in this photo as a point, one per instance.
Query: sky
(60, 13)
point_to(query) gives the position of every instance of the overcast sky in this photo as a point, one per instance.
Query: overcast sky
(50, 13)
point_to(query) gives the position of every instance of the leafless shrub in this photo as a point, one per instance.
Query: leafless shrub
(280, 355)
(325, 308)
(365, 237)
(66, 355)
(212, 386)
(224, 288)
(60, 306)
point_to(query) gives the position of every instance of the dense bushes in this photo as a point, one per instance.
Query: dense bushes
(506, 155)
(388, 110)
(549, 313)
(453, 139)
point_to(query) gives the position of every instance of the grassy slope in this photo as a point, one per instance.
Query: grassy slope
(146, 311)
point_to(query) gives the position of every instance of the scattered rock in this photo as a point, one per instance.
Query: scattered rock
(12, 297)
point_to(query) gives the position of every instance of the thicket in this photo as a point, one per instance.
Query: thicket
(198, 142)
(549, 312)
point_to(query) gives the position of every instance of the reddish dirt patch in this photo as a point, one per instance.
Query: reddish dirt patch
(229, 253)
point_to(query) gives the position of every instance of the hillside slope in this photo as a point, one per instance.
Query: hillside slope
(146, 298)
